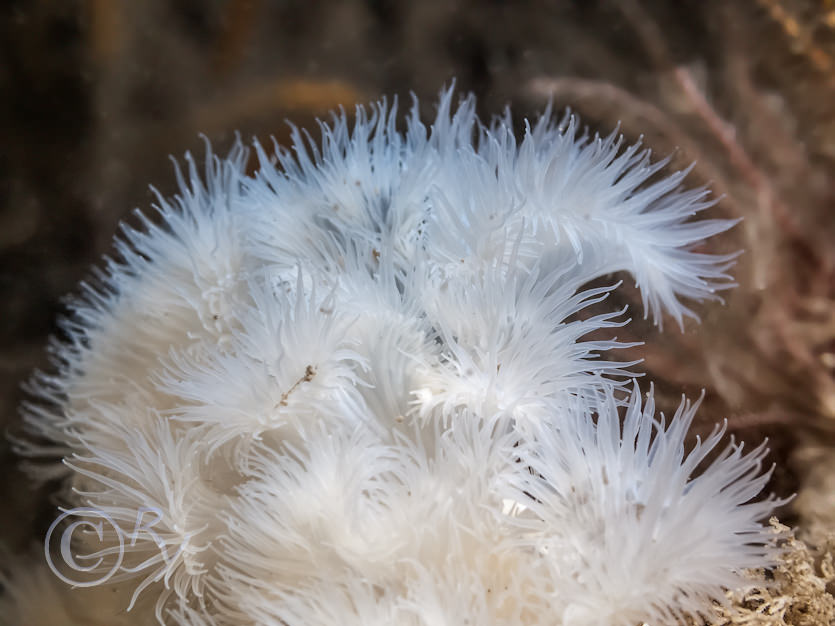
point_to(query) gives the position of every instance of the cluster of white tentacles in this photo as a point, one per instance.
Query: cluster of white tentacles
(356, 388)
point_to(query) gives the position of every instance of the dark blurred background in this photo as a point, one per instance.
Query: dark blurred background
(96, 94)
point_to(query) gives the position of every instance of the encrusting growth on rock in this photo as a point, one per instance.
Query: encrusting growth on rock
(796, 592)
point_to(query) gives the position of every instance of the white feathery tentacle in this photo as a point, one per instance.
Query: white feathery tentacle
(371, 384)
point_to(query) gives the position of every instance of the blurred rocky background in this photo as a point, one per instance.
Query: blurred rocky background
(96, 94)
